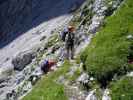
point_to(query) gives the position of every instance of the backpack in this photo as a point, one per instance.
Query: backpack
(70, 38)
(44, 66)
(63, 35)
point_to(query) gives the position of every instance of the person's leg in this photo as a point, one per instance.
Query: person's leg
(67, 51)
(44, 68)
(72, 52)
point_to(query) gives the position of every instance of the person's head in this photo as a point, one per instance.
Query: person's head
(71, 28)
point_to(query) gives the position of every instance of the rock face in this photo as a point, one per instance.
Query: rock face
(91, 96)
(14, 14)
(101, 10)
(84, 78)
(5, 73)
(22, 59)
(18, 16)
(106, 95)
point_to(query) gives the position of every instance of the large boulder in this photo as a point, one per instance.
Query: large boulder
(91, 95)
(106, 95)
(84, 78)
(22, 59)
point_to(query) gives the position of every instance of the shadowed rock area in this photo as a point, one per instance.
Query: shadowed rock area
(18, 16)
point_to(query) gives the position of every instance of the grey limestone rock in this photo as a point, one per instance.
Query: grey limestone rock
(22, 59)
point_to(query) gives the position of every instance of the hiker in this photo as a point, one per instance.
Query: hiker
(69, 42)
(46, 65)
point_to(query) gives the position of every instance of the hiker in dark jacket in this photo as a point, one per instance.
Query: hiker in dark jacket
(46, 65)
(69, 42)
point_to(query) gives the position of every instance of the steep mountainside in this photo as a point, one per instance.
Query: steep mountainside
(15, 15)
(18, 16)
(103, 62)
(25, 21)
(24, 24)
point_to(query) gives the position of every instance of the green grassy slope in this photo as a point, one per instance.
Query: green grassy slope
(108, 51)
(122, 89)
(47, 88)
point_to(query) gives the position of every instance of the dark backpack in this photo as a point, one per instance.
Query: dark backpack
(45, 66)
(70, 38)
(63, 35)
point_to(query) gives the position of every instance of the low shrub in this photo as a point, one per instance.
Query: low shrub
(122, 89)
(107, 55)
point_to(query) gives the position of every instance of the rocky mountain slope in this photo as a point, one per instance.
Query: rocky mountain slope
(88, 19)
(21, 56)
(29, 21)
(24, 25)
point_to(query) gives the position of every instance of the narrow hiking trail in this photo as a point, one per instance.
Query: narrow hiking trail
(72, 85)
